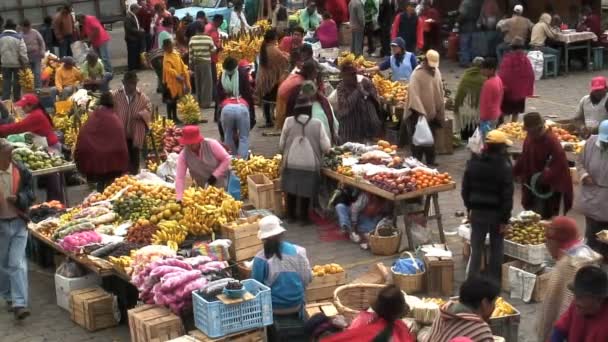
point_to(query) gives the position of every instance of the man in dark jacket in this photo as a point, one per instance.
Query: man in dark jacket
(487, 193)
(134, 37)
(386, 15)
(468, 13)
(405, 26)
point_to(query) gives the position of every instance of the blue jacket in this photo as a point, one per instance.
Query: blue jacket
(287, 277)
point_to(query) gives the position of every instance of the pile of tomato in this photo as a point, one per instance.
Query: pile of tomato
(425, 179)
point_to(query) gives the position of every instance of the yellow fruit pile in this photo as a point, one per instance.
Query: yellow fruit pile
(358, 62)
(26, 80)
(502, 308)
(169, 233)
(321, 270)
(205, 210)
(345, 170)
(123, 262)
(389, 90)
(69, 125)
(246, 46)
(188, 110)
(386, 146)
(171, 211)
(263, 24)
(255, 165)
(151, 165)
(515, 130)
(157, 130)
(437, 301)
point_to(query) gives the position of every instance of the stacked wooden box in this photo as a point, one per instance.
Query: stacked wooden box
(322, 288)
(439, 273)
(244, 237)
(93, 308)
(261, 191)
(154, 323)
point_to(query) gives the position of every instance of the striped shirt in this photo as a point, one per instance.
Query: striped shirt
(456, 320)
(200, 48)
(135, 113)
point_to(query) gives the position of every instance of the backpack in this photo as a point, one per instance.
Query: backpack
(300, 154)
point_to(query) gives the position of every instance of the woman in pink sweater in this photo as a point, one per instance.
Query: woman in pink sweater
(327, 32)
(490, 98)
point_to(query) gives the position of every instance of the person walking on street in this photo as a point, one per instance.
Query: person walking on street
(468, 14)
(93, 30)
(371, 21)
(212, 30)
(592, 166)
(491, 96)
(273, 68)
(134, 37)
(407, 26)
(386, 14)
(13, 54)
(135, 111)
(543, 170)
(36, 48)
(487, 193)
(357, 26)
(13, 235)
(425, 100)
(200, 49)
(467, 100)
(64, 28)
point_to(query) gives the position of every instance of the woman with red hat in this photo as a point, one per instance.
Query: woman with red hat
(205, 158)
(39, 123)
(566, 247)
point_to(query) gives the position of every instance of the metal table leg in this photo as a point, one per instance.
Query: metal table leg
(438, 217)
(567, 57)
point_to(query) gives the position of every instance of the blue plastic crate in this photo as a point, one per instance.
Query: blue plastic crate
(217, 319)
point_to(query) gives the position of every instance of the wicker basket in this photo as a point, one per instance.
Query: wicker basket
(410, 283)
(384, 245)
(353, 298)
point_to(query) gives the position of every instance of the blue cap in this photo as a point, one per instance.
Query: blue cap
(398, 42)
(603, 131)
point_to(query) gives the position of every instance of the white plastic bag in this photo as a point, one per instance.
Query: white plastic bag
(167, 170)
(475, 143)
(423, 135)
(521, 283)
(538, 63)
(79, 51)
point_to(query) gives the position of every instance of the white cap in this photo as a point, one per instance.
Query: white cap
(518, 9)
(269, 226)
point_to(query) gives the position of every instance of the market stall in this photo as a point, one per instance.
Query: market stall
(377, 169)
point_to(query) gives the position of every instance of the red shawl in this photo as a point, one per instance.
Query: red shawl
(338, 10)
(545, 154)
(101, 147)
(367, 326)
(517, 76)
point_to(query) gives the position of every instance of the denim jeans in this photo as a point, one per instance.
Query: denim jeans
(483, 223)
(13, 263)
(356, 45)
(466, 48)
(364, 225)
(235, 117)
(104, 53)
(65, 48)
(36, 65)
(10, 78)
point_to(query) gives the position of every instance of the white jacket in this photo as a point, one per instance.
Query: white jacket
(13, 52)
(235, 23)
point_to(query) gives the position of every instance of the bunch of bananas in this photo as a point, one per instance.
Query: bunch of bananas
(152, 166)
(263, 24)
(358, 62)
(502, 308)
(256, 164)
(123, 262)
(169, 231)
(69, 126)
(188, 110)
(390, 90)
(26, 79)
(206, 210)
(438, 301)
(157, 132)
(246, 46)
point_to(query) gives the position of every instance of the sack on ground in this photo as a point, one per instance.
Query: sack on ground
(538, 63)
(423, 135)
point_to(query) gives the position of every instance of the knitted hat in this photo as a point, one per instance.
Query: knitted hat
(563, 230)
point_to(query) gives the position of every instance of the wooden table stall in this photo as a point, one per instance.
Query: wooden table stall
(401, 202)
(573, 41)
(63, 169)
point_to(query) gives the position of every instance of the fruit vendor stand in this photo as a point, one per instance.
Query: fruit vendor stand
(402, 182)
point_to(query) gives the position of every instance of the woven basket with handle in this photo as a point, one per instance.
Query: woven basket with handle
(410, 283)
(354, 298)
(384, 245)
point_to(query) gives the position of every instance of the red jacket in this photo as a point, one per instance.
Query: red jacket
(367, 326)
(35, 122)
(419, 30)
(338, 10)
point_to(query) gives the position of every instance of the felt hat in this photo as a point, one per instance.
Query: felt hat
(590, 281)
(270, 226)
(191, 135)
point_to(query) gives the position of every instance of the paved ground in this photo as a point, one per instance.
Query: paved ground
(50, 323)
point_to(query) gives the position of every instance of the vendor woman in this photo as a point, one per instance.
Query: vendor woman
(401, 62)
(38, 123)
(283, 267)
(205, 158)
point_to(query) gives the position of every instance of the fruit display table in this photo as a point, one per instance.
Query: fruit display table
(63, 169)
(401, 202)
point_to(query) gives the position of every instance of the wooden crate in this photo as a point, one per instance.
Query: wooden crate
(261, 190)
(154, 323)
(257, 335)
(444, 138)
(322, 288)
(439, 274)
(93, 308)
(328, 308)
(245, 242)
(540, 287)
(278, 203)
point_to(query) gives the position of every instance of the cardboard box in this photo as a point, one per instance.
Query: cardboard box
(245, 242)
(444, 138)
(64, 285)
(154, 323)
(94, 309)
(322, 288)
(540, 286)
(261, 190)
(257, 335)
